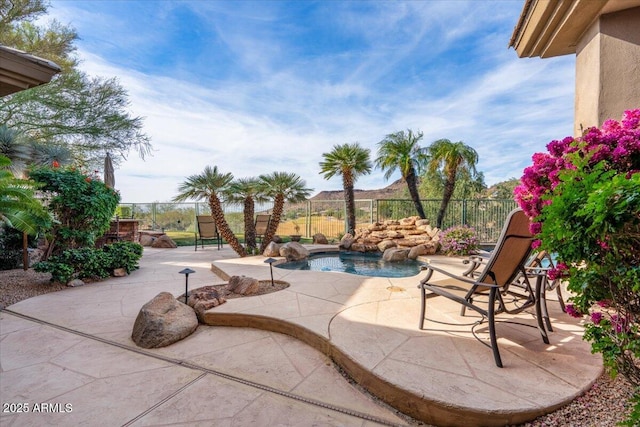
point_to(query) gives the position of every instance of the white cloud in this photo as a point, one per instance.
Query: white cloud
(439, 67)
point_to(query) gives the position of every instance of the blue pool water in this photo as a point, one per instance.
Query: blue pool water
(355, 263)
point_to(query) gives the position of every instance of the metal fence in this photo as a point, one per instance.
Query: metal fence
(326, 216)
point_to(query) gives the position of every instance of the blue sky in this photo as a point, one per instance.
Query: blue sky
(257, 87)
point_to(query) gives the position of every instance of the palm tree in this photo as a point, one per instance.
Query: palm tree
(208, 185)
(449, 158)
(350, 161)
(247, 191)
(282, 187)
(401, 151)
(19, 208)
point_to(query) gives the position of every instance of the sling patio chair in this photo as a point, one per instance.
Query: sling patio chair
(207, 230)
(262, 223)
(489, 293)
(539, 263)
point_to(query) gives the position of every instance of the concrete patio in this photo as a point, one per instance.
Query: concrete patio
(268, 360)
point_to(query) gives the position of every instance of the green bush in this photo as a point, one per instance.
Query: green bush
(81, 204)
(91, 263)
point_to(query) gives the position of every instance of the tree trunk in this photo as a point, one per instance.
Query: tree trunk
(412, 184)
(350, 203)
(278, 207)
(218, 216)
(249, 224)
(449, 186)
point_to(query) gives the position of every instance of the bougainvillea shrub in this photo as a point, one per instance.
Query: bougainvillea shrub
(583, 197)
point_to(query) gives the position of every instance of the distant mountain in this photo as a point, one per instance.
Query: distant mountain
(394, 191)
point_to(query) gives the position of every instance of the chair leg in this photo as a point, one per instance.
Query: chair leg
(540, 283)
(422, 307)
(492, 327)
(196, 245)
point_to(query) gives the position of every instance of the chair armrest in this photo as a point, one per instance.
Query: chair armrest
(453, 276)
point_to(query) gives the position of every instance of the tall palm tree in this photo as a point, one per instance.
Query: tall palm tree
(449, 158)
(209, 185)
(401, 151)
(247, 191)
(282, 187)
(350, 161)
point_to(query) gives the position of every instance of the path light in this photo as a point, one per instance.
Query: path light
(187, 271)
(270, 261)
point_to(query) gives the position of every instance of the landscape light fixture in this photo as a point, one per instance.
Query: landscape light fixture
(187, 271)
(270, 261)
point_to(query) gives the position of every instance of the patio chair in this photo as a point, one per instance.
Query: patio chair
(262, 223)
(207, 230)
(539, 260)
(490, 293)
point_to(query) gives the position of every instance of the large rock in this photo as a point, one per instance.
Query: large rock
(293, 251)
(163, 321)
(272, 249)
(424, 249)
(146, 240)
(164, 241)
(243, 285)
(346, 241)
(386, 244)
(320, 239)
(395, 255)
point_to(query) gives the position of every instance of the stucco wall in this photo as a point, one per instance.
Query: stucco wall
(608, 69)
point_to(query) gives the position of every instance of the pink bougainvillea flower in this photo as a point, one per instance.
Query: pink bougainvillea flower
(596, 317)
(572, 311)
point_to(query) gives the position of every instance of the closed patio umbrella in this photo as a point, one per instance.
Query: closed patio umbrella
(109, 176)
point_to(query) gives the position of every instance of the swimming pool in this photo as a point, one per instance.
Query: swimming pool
(363, 264)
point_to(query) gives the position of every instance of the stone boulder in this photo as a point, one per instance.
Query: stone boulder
(424, 249)
(346, 241)
(146, 240)
(294, 251)
(320, 239)
(395, 255)
(163, 321)
(164, 241)
(386, 244)
(272, 249)
(243, 285)
(202, 299)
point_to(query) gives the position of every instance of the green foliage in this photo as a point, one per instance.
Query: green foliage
(82, 205)
(91, 263)
(19, 208)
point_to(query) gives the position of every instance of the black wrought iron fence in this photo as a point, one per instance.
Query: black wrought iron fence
(326, 216)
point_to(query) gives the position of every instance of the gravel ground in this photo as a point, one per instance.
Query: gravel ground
(604, 405)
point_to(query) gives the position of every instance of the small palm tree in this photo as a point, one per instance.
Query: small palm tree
(401, 151)
(19, 208)
(209, 185)
(450, 158)
(282, 187)
(350, 161)
(247, 191)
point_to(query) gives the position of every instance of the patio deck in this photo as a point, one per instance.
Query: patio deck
(74, 346)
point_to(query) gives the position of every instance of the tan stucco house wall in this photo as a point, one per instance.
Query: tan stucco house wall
(605, 37)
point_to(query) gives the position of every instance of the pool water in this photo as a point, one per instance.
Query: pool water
(355, 263)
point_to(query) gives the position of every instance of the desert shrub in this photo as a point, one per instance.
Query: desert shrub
(91, 263)
(459, 240)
